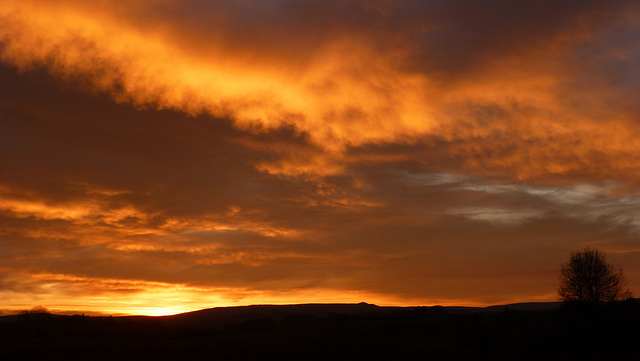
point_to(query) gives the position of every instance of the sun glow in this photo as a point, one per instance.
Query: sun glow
(64, 294)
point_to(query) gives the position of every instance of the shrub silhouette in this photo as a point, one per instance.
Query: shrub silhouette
(588, 278)
(36, 309)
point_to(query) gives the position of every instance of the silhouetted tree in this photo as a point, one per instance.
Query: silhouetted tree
(36, 309)
(588, 278)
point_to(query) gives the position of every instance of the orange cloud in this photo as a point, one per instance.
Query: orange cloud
(327, 99)
(346, 92)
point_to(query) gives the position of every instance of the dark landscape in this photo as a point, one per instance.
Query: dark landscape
(528, 331)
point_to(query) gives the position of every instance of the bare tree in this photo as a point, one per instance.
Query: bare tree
(588, 278)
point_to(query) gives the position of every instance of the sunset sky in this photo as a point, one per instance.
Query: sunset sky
(162, 156)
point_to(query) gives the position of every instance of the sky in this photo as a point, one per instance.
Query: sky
(163, 156)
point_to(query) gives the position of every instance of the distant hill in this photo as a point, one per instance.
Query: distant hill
(526, 306)
(230, 315)
(241, 313)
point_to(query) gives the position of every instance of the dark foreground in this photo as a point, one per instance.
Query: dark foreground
(333, 332)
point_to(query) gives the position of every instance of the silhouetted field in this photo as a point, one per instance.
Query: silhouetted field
(334, 332)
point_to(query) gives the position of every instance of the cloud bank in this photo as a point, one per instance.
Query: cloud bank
(228, 152)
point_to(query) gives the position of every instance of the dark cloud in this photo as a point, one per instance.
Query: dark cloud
(440, 38)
